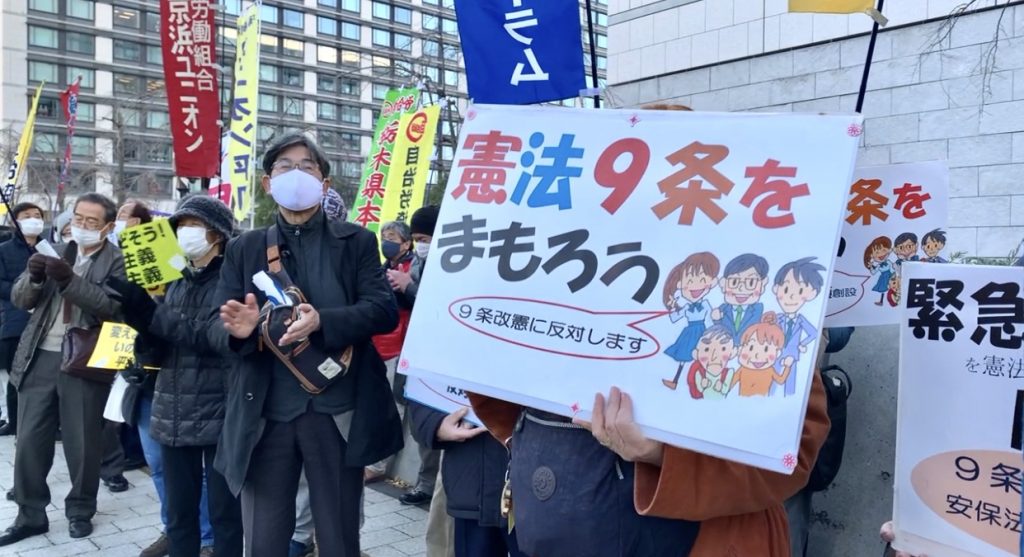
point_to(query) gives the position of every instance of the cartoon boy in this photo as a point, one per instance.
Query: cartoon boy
(742, 284)
(709, 374)
(905, 248)
(796, 283)
(932, 243)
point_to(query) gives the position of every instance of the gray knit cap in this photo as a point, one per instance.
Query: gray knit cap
(212, 211)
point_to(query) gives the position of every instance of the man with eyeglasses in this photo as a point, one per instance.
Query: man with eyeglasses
(743, 282)
(275, 427)
(63, 293)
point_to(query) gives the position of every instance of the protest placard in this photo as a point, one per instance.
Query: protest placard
(115, 347)
(894, 214)
(581, 249)
(151, 254)
(961, 394)
(444, 398)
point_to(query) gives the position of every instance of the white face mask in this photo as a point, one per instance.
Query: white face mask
(85, 238)
(296, 190)
(119, 226)
(422, 249)
(192, 240)
(31, 226)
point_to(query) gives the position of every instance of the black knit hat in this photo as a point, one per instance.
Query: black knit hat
(424, 220)
(212, 211)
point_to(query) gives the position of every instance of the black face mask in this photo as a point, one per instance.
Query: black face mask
(390, 249)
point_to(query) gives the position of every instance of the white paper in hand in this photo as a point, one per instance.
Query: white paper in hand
(112, 411)
(46, 249)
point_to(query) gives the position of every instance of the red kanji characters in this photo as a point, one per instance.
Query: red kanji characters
(910, 200)
(381, 158)
(698, 160)
(389, 133)
(484, 179)
(368, 213)
(374, 186)
(776, 193)
(867, 203)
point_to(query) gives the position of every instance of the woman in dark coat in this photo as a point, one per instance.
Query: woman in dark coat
(182, 335)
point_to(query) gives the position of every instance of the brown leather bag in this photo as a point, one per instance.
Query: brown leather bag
(77, 348)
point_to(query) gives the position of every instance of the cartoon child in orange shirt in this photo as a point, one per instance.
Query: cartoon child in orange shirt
(760, 348)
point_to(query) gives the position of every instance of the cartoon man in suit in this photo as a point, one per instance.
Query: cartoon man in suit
(742, 283)
(796, 283)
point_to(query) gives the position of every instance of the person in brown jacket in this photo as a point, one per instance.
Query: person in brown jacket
(737, 509)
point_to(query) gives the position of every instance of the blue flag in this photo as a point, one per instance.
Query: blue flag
(521, 51)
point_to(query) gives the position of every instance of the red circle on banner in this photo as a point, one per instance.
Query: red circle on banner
(417, 127)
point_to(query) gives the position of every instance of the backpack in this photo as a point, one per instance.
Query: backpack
(837, 390)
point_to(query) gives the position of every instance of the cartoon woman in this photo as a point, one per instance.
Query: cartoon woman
(759, 349)
(709, 374)
(687, 286)
(876, 260)
(893, 295)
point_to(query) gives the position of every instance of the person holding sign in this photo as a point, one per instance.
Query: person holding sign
(311, 391)
(14, 254)
(183, 337)
(68, 301)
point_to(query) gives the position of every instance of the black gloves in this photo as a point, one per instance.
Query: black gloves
(37, 268)
(136, 304)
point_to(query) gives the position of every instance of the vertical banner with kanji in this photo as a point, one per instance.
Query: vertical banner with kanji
(151, 254)
(189, 55)
(69, 102)
(241, 152)
(682, 256)
(894, 214)
(410, 164)
(370, 196)
(18, 162)
(831, 6)
(961, 398)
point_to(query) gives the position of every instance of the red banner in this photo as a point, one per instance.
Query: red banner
(69, 100)
(187, 38)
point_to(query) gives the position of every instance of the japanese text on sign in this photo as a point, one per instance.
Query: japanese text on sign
(151, 254)
(242, 137)
(115, 347)
(407, 179)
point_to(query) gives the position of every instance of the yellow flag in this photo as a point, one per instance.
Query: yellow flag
(831, 6)
(24, 146)
(241, 153)
(410, 164)
(151, 254)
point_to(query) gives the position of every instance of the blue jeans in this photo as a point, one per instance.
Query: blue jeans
(151, 450)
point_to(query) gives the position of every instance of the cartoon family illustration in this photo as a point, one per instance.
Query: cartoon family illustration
(766, 345)
(877, 260)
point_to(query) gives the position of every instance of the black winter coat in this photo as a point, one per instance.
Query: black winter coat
(473, 472)
(14, 254)
(355, 303)
(191, 350)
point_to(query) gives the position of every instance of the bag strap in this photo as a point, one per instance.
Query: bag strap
(274, 263)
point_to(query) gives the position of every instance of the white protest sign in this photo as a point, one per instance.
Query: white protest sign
(444, 398)
(580, 249)
(894, 213)
(961, 393)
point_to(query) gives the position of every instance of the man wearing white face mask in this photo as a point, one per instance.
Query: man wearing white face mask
(14, 254)
(66, 294)
(275, 426)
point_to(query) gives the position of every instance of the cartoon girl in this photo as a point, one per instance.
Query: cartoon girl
(876, 260)
(687, 286)
(759, 349)
(709, 375)
(893, 295)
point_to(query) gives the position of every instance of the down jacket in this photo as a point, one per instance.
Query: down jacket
(189, 345)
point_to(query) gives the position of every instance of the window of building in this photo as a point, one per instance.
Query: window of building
(350, 5)
(154, 55)
(402, 15)
(158, 152)
(268, 102)
(350, 169)
(403, 68)
(349, 57)
(433, 74)
(431, 48)
(291, 77)
(131, 150)
(328, 3)
(49, 6)
(351, 114)
(155, 87)
(126, 84)
(430, 22)
(380, 91)
(230, 35)
(601, 19)
(45, 143)
(326, 83)
(268, 44)
(326, 26)
(269, 14)
(265, 132)
(130, 117)
(326, 111)
(157, 120)
(48, 107)
(382, 37)
(602, 62)
(293, 48)
(349, 87)
(328, 139)
(88, 76)
(126, 17)
(602, 41)
(351, 31)
(153, 22)
(326, 54)
(451, 78)
(402, 42)
(127, 50)
(293, 19)
(82, 9)
(449, 27)
(294, 106)
(233, 7)
(80, 43)
(381, 10)
(86, 112)
(350, 141)
(42, 36)
(42, 71)
(451, 52)
(268, 73)
(381, 65)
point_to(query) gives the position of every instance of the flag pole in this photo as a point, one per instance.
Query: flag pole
(867, 63)
(593, 54)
